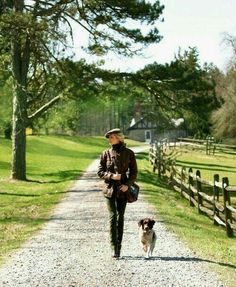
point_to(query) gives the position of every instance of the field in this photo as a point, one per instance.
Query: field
(222, 163)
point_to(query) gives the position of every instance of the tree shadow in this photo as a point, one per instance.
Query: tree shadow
(141, 155)
(62, 175)
(151, 177)
(17, 194)
(5, 165)
(206, 166)
(180, 259)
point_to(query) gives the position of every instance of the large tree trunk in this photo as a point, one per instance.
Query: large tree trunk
(20, 60)
(19, 118)
(18, 135)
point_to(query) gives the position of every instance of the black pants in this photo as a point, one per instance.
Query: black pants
(116, 208)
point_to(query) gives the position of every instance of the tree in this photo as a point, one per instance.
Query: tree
(34, 34)
(104, 105)
(6, 107)
(180, 89)
(224, 119)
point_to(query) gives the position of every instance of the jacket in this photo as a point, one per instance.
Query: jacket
(121, 160)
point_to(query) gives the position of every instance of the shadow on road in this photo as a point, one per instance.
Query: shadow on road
(186, 259)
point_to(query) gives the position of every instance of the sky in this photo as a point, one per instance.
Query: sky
(187, 23)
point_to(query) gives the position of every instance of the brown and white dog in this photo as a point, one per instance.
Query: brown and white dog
(147, 235)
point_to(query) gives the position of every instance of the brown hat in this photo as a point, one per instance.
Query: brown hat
(113, 131)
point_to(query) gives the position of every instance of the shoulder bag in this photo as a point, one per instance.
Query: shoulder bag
(132, 193)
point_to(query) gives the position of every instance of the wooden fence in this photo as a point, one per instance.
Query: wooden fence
(212, 198)
(209, 145)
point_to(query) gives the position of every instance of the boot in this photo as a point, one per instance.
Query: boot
(117, 251)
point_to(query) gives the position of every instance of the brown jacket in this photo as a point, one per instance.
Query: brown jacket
(122, 158)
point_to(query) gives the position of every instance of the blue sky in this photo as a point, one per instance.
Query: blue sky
(188, 23)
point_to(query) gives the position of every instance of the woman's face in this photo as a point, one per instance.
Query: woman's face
(113, 139)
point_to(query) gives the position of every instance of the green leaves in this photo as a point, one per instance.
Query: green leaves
(180, 89)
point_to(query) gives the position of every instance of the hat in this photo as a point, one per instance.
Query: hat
(113, 131)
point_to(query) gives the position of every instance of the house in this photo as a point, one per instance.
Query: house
(142, 130)
(149, 129)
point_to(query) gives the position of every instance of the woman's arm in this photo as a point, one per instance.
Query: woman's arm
(102, 168)
(133, 169)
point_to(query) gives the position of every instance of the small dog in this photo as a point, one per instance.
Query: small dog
(147, 235)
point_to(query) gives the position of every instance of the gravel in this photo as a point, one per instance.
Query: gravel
(73, 248)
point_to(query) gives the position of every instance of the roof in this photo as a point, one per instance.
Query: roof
(142, 124)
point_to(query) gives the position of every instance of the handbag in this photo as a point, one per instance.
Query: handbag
(132, 193)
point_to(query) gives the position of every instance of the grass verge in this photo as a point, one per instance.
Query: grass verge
(207, 241)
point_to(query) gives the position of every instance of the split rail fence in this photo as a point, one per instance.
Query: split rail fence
(212, 198)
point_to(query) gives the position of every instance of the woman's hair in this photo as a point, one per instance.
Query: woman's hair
(120, 137)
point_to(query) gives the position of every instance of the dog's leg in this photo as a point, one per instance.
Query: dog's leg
(148, 252)
(153, 243)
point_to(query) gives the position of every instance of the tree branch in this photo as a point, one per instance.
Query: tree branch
(45, 107)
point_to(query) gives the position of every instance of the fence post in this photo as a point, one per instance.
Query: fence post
(199, 189)
(215, 196)
(207, 145)
(164, 164)
(182, 179)
(159, 152)
(154, 151)
(210, 145)
(190, 184)
(172, 172)
(228, 214)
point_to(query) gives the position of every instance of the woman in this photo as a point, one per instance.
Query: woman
(118, 168)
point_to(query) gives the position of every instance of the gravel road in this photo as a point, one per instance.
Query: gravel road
(73, 249)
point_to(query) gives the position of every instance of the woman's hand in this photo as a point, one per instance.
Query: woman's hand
(116, 176)
(124, 188)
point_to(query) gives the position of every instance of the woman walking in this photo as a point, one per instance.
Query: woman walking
(118, 168)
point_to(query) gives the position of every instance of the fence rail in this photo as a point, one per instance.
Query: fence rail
(212, 198)
(209, 144)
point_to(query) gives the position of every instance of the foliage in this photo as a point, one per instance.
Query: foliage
(109, 101)
(180, 89)
(224, 119)
(43, 28)
(162, 92)
(35, 35)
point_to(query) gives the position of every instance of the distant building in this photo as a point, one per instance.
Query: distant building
(148, 129)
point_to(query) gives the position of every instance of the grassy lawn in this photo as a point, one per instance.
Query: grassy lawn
(207, 241)
(222, 163)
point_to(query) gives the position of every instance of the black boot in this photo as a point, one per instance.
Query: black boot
(117, 251)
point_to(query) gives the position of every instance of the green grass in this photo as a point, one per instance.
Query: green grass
(222, 163)
(207, 241)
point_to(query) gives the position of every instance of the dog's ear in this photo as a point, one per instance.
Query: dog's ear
(153, 222)
(140, 223)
